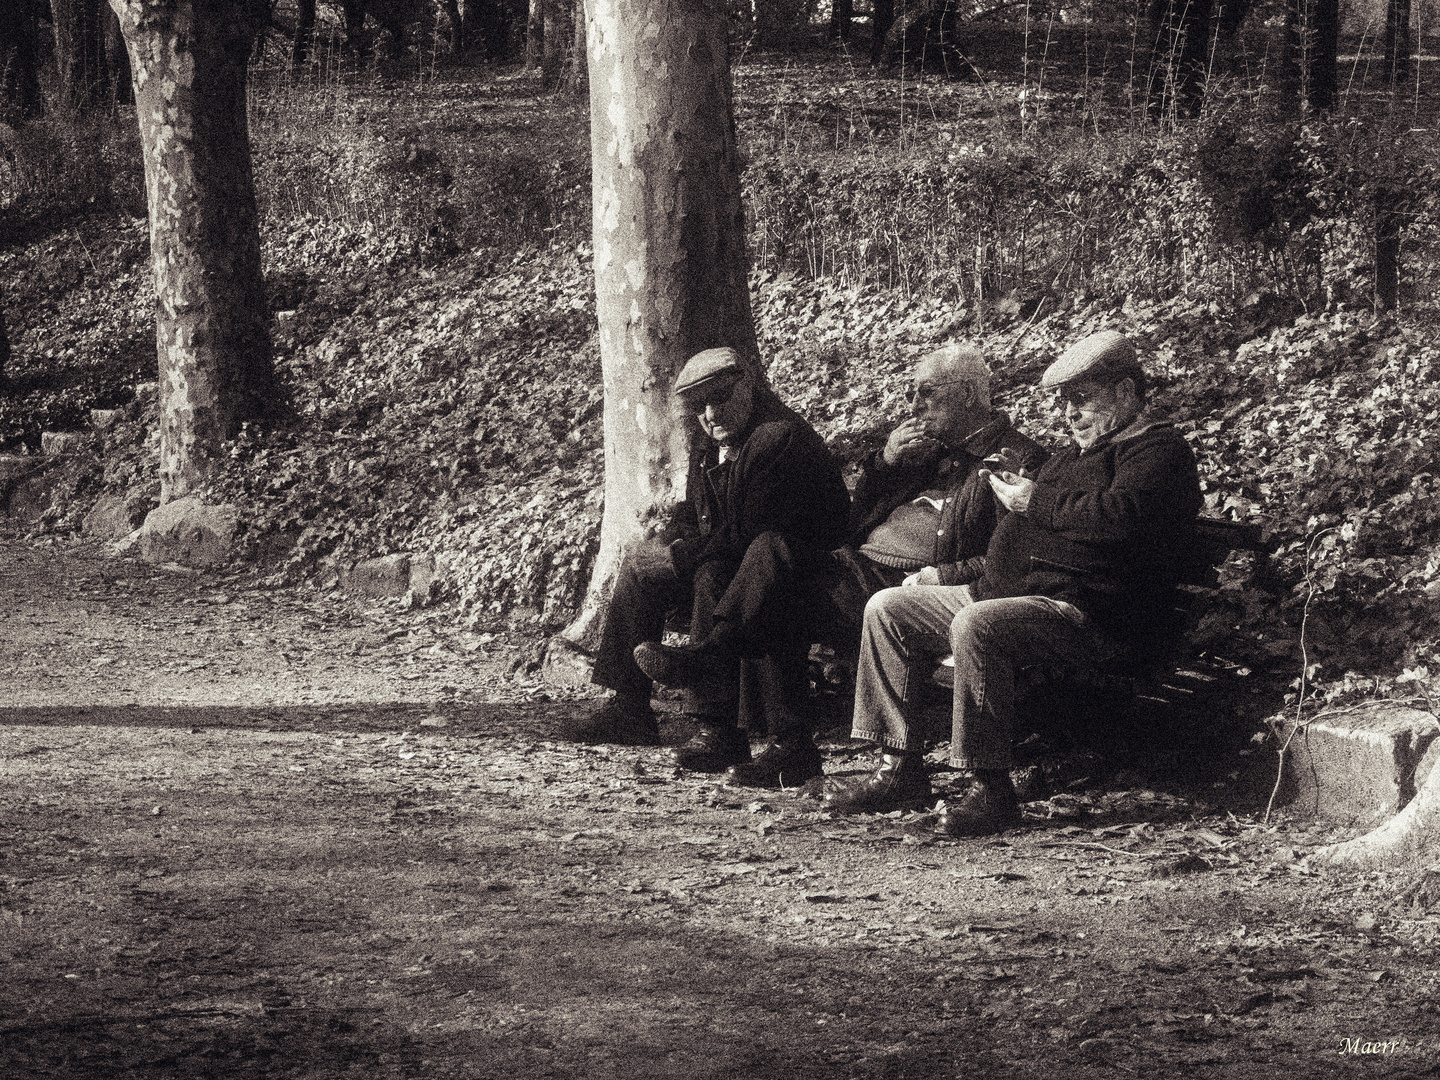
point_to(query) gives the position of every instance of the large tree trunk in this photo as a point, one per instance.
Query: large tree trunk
(670, 265)
(841, 13)
(458, 29)
(535, 34)
(1397, 41)
(882, 18)
(1182, 41)
(304, 32)
(117, 59)
(212, 333)
(579, 69)
(19, 57)
(556, 37)
(1324, 54)
(4, 351)
(1408, 841)
(80, 52)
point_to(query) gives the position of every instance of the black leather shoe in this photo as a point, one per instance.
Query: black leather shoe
(901, 783)
(987, 807)
(714, 749)
(622, 721)
(689, 667)
(779, 765)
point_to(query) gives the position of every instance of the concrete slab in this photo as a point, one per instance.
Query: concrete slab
(1360, 765)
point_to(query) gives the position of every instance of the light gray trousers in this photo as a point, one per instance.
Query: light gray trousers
(907, 629)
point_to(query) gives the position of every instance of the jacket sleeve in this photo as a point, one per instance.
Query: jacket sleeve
(1155, 481)
(962, 572)
(780, 486)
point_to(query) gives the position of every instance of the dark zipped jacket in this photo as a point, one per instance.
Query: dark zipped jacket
(1107, 530)
(782, 479)
(970, 511)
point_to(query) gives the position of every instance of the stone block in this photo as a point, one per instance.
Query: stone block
(1359, 766)
(424, 578)
(15, 467)
(109, 519)
(60, 443)
(188, 532)
(387, 576)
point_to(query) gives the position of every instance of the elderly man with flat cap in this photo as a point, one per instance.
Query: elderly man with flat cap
(1083, 567)
(764, 503)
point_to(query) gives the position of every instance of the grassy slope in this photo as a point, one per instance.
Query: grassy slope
(426, 249)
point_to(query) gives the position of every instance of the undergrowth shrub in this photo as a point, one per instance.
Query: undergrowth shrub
(66, 162)
(1214, 214)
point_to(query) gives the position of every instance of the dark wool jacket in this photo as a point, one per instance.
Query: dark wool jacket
(1106, 530)
(971, 510)
(782, 479)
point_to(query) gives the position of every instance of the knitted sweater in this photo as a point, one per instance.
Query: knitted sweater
(969, 510)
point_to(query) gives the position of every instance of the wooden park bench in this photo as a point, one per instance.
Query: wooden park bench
(1173, 680)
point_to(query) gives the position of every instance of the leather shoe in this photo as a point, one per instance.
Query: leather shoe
(900, 783)
(987, 807)
(779, 765)
(620, 720)
(688, 667)
(714, 749)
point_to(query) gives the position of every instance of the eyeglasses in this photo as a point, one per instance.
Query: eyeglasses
(715, 394)
(927, 391)
(1082, 394)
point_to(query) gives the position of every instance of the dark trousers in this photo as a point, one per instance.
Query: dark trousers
(751, 608)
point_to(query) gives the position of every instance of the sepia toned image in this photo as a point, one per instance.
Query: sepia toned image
(791, 539)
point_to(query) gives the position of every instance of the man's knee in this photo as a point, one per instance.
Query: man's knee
(973, 628)
(713, 578)
(647, 567)
(770, 546)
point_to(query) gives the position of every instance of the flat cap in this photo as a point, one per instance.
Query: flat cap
(1107, 356)
(706, 367)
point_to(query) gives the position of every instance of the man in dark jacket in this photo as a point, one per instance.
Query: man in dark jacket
(765, 502)
(921, 513)
(1083, 567)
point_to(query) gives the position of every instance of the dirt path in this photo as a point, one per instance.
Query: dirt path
(244, 834)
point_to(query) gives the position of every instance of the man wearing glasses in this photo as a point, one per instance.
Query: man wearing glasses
(765, 503)
(1083, 566)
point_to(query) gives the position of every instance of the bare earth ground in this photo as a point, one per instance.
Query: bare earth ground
(254, 834)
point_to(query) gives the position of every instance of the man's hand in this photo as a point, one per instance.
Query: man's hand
(907, 444)
(926, 575)
(1011, 489)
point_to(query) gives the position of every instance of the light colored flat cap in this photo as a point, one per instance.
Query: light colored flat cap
(706, 367)
(1107, 357)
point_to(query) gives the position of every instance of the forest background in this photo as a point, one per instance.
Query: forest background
(1018, 176)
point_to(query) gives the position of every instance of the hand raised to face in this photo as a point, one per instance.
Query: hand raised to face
(908, 443)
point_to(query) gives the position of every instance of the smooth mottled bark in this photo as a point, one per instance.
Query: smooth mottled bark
(670, 264)
(188, 59)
